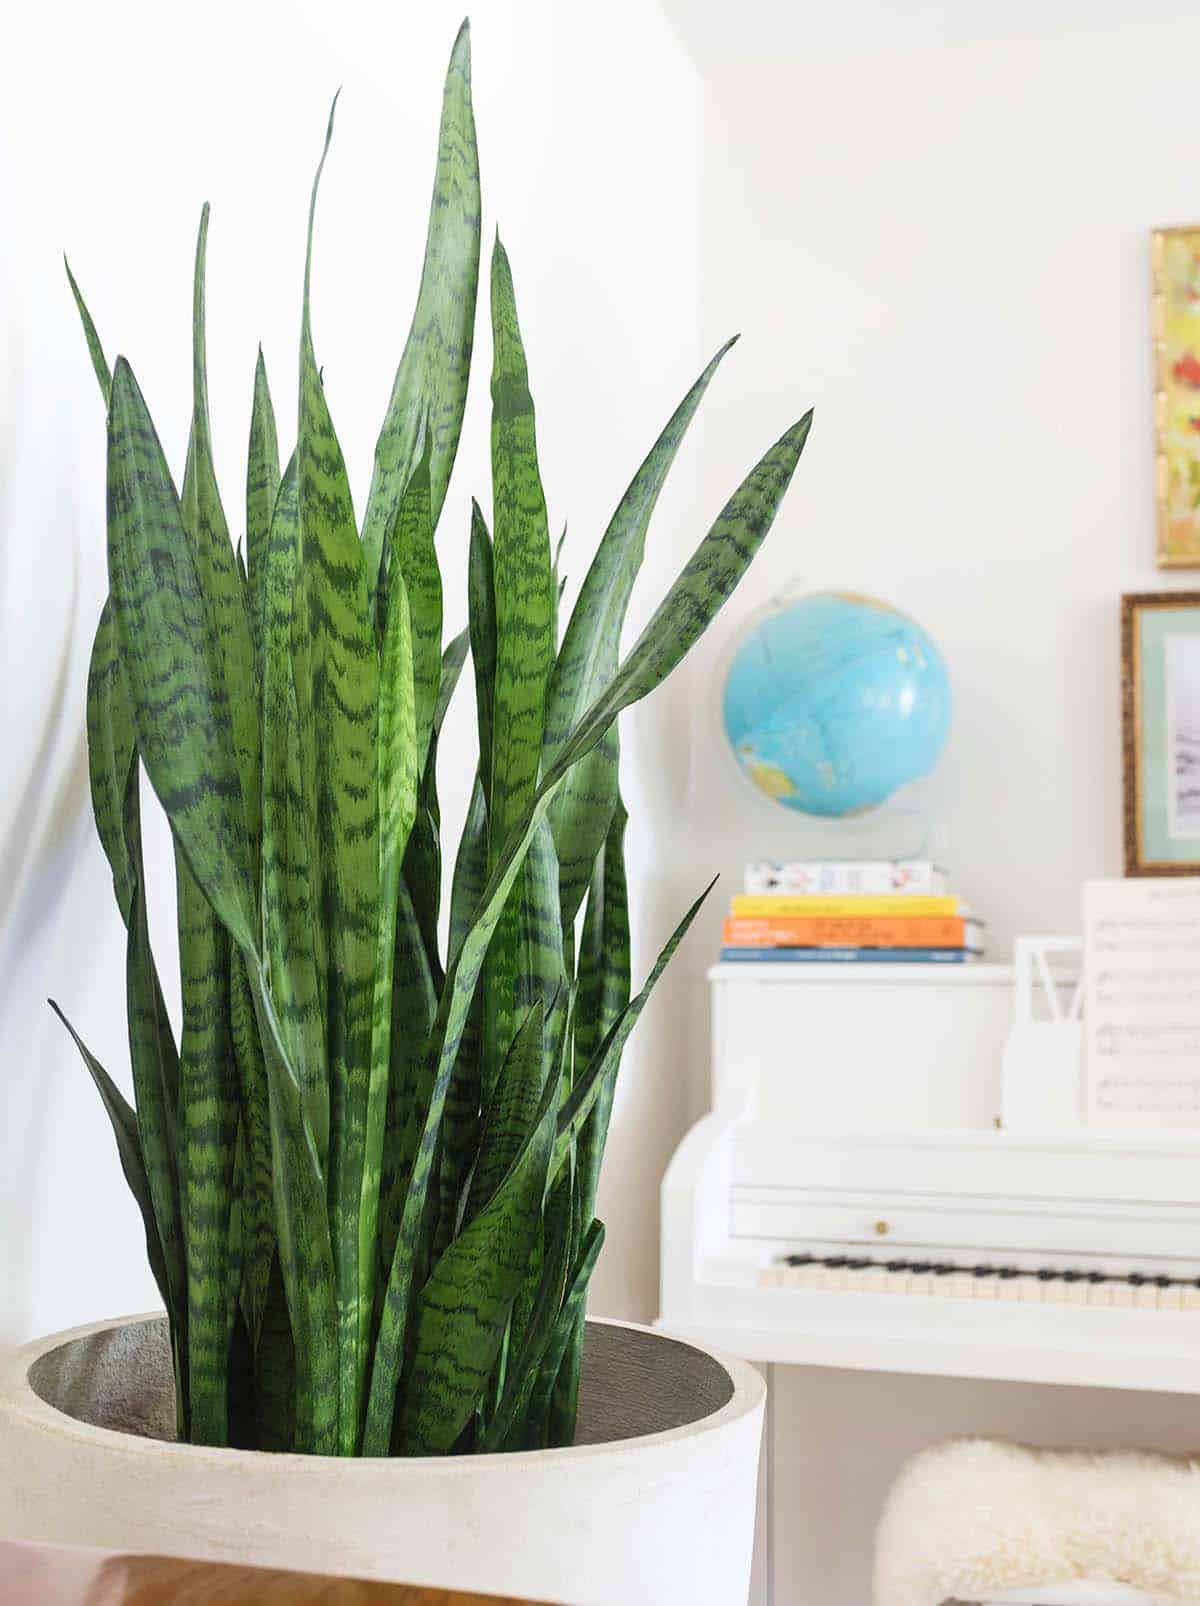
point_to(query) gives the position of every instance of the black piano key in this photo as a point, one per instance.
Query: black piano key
(898, 1265)
(1161, 1282)
(983, 1271)
(1045, 1274)
(834, 1262)
(1136, 1278)
(799, 1260)
(920, 1268)
(1071, 1276)
(857, 1265)
(944, 1269)
(1098, 1277)
(1008, 1272)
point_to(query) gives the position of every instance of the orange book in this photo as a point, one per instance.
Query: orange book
(864, 931)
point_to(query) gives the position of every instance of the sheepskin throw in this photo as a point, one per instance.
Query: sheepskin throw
(972, 1518)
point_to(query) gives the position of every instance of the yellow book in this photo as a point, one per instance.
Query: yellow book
(757, 905)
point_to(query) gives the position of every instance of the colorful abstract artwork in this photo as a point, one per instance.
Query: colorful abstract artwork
(1176, 316)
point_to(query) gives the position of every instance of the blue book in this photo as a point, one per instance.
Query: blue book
(848, 956)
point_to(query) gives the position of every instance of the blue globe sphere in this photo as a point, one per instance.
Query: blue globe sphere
(833, 702)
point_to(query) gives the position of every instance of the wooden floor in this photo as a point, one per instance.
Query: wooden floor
(47, 1575)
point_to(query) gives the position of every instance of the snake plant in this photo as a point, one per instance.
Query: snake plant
(367, 1170)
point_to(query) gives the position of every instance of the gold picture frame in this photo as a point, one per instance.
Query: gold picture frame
(1175, 320)
(1160, 732)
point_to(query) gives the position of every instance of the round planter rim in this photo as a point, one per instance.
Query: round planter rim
(18, 1394)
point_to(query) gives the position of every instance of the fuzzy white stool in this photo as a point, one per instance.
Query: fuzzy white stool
(996, 1525)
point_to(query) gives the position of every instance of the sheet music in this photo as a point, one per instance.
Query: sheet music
(1141, 959)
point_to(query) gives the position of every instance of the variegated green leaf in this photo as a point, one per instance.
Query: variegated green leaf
(262, 488)
(462, 1309)
(430, 388)
(588, 657)
(129, 1149)
(181, 713)
(481, 593)
(337, 691)
(224, 591)
(95, 349)
(398, 762)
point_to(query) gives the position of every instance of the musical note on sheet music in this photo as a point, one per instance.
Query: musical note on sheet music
(1141, 969)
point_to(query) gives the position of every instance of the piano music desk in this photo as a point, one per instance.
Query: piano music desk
(954, 1278)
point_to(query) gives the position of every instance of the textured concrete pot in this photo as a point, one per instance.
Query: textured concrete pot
(653, 1504)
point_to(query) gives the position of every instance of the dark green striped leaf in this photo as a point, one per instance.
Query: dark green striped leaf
(398, 770)
(462, 1309)
(208, 1125)
(523, 571)
(129, 1149)
(606, 1061)
(95, 349)
(587, 660)
(262, 488)
(337, 691)
(181, 713)
(221, 579)
(430, 388)
(413, 561)
(481, 595)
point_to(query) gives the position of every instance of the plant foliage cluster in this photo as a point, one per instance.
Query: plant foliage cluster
(367, 1170)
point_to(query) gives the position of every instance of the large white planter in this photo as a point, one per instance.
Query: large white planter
(653, 1505)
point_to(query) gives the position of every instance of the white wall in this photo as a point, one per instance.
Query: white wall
(118, 125)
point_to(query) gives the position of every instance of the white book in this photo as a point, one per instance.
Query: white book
(847, 877)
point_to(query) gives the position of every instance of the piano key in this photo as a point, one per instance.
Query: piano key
(1121, 1294)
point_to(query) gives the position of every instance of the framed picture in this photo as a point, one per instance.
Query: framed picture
(1160, 695)
(1175, 256)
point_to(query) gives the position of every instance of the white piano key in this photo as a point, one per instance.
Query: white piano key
(1121, 1296)
(1191, 1298)
(877, 1279)
(1170, 1298)
(962, 1285)
(1145, 1297)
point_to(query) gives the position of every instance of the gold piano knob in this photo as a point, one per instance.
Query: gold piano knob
(881, 1229)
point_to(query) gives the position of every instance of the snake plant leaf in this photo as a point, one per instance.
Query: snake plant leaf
(398, 764)
(604, 989)
(181, 713)
(536, 1330)
(225, 593)
(129, 1149)
(95, 349)
(523, 588)
(430, 387)
(569, 1319)
(294, 954)
(110, 742)
(588, 656)
(255, 1192)
(453, 659)
(208, 1125)
(462, 1115)
(698, 594)
(262, 488)
(481, 593)
(607, 1057)
(462, 1309)
(523, 570)
(338, 693)
(155, 1064)
(305, 1249)
(413, 561)
(414, 1007)
(512, 1110)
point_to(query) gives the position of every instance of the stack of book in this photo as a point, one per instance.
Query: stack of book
(846, 912)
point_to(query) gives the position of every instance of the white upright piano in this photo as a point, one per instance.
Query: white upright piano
(849, 1206)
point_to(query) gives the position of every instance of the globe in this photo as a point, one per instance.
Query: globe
(833, 702)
